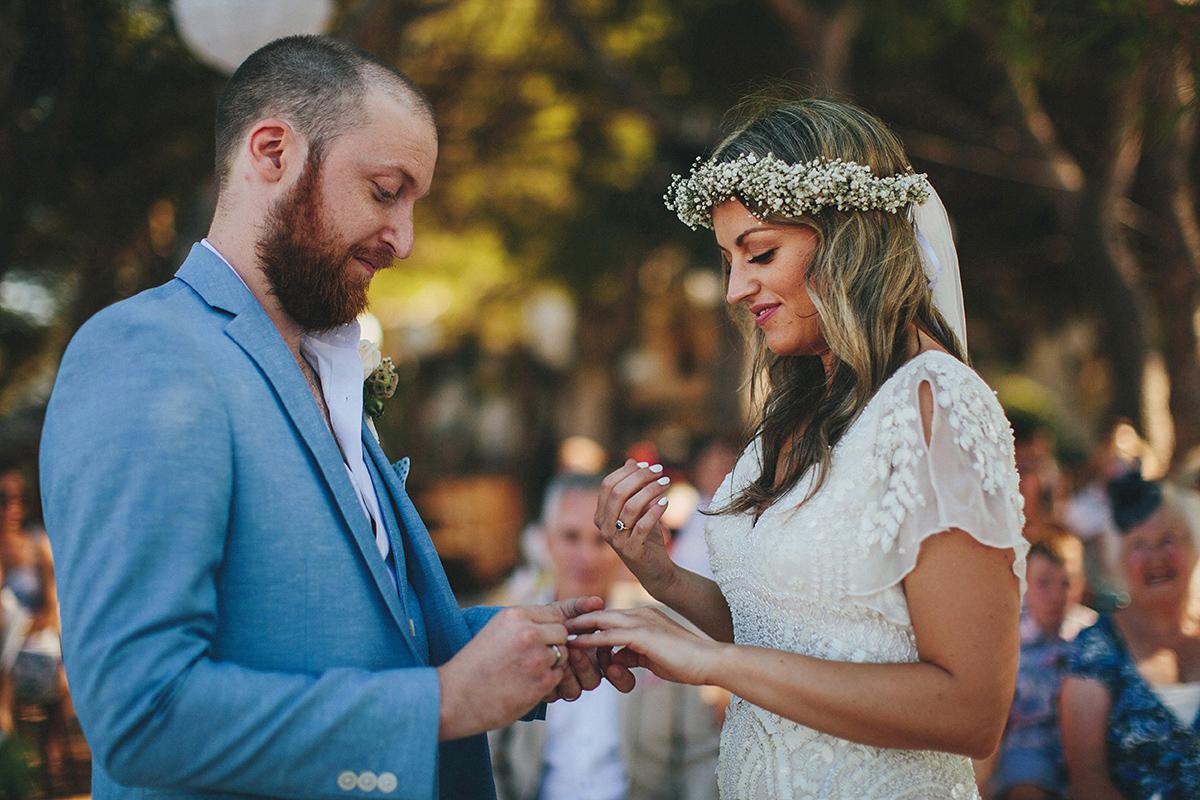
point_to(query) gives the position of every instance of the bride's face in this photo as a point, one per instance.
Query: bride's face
(767, 262)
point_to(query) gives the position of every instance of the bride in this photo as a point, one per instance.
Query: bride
(867, 546)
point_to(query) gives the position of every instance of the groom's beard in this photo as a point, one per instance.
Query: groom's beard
(309, 271)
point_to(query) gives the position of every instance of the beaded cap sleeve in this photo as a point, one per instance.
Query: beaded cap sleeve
(964, 478)
(825, 577)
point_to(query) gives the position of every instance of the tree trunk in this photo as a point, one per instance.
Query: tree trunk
(1107, 261)
(1175, 247)
(823, 38)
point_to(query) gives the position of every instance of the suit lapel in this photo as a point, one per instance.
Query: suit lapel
(444, 624)
(254, 332)
(410, 601)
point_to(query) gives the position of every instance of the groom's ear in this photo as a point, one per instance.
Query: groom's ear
(274, 148)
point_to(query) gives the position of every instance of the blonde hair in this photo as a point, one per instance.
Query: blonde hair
(865, 278)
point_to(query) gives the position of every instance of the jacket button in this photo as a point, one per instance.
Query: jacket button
(367, 781)
(347, 781)
(386, 782)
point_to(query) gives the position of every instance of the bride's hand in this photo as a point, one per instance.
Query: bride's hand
(649, 639)
(629, 513)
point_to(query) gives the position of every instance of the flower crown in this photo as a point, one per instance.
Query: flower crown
(775, 186)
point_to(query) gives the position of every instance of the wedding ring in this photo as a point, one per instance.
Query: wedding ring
(620, 526)
(558, 656)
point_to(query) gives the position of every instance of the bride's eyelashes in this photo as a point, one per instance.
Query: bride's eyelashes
(762, 258)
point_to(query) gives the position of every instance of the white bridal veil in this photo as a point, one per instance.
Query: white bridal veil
(940, 258)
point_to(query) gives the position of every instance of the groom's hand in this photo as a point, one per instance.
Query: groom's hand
(588, 665)
(505, 670)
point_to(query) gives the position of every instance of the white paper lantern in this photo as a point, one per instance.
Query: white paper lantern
(223, 32)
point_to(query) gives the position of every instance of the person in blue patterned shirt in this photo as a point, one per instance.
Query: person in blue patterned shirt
(1131, 699)
(1029, 762)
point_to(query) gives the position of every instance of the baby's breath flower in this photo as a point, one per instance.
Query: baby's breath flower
(770, 185)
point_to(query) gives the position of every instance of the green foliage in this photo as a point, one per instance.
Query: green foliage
(561, 122)
(109, 115)
(16, 776)
(105, 140)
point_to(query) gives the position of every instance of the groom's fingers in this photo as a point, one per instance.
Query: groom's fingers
(617, 674)
(587, 671)
(568, 687)
(548, 621)
(603, 658)
(621, 677)
(544, 613)
(574, 606)
(536, 636)
(505, 669)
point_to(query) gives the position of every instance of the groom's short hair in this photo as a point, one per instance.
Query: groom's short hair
(316, 83)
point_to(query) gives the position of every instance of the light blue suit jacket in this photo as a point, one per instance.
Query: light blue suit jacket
(228, 624)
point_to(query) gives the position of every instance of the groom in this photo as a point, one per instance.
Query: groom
(250, 604)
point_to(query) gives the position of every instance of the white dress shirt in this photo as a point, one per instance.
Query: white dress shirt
(333, 354)
(582, 756)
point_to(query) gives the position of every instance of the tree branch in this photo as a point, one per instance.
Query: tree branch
(377, 25)
(822, 39)
(992, 162)
(666, 120)
(1042, 129)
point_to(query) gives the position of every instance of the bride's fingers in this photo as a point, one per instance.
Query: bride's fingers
(606, 505)
(626, 493)
(612, 637)
(599, 620)
(634, 634)
(634, 525)
(647, 526)
(641, 490)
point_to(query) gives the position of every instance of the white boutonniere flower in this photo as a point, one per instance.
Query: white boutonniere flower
(368, 351)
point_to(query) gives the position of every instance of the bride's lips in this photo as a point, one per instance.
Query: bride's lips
(763, 311)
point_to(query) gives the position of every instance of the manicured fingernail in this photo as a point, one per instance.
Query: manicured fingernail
(656, 467)
(664, 480)
(642, 464)
(662, 501)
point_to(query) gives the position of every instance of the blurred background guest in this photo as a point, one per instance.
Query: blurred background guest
(38, 683)
(1039, 476)
(1029, 765)
(1088, 511)
(1068, 550)
(1043, 490)
(713, 460)
(15, 776)
(658, 742)
(1130, 711)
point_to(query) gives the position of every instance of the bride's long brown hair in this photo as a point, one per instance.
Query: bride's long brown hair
(866, 280)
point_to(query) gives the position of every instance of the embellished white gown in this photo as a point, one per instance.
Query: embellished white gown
(825, 579)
